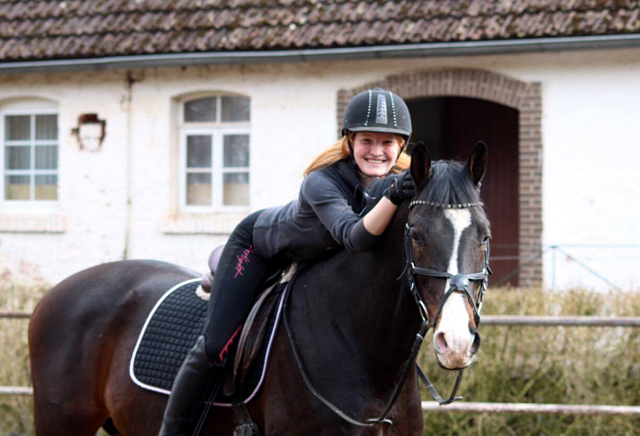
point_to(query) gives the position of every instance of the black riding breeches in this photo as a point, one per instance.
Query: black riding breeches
(236, 284)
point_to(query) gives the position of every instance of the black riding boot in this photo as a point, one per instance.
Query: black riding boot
(188, 392)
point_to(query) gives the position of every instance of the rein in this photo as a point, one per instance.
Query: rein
(459, 283)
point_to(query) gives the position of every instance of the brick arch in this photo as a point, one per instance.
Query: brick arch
(486, 85)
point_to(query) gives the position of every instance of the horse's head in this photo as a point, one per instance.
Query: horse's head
(447, 239)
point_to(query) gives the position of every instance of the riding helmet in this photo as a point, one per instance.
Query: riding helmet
(377, 110)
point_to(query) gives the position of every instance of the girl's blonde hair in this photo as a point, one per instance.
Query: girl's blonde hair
(340, 150)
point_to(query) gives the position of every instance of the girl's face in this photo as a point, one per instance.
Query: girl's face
(375, 153)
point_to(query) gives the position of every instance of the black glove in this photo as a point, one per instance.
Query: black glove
(401, 188)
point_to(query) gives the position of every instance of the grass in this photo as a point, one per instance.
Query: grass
(572, 365)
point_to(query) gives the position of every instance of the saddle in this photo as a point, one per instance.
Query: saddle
(177, 320)
(207, 277)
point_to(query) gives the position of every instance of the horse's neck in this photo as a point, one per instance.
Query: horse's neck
(397, 312)
(366, 299)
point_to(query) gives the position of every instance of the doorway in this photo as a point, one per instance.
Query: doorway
(450, 127)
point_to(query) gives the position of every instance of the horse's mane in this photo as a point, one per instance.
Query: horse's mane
(450, 183)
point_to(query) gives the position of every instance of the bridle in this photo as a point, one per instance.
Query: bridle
(458, 283)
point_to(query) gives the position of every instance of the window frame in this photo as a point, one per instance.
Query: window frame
(32, 172)
(217, 130)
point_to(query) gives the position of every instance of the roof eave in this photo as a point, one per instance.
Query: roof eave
(465, 48)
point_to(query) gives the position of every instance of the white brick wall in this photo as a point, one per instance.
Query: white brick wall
(590, 100)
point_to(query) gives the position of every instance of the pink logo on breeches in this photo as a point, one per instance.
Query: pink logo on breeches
(242, 260)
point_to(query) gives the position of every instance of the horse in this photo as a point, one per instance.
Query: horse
(354, 318)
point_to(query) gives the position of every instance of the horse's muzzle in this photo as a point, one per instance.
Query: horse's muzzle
(456, 352)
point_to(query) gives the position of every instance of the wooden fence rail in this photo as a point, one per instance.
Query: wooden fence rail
(473, 407)
(548, 409)
(15, 390)
(505, 320)
(561, 321)
(14, 314)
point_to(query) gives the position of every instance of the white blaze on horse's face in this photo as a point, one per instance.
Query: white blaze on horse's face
(453, 339)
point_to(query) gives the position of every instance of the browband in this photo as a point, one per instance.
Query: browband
(445, 206)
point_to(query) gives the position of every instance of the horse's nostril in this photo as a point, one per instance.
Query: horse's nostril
(441, 342)
(475, 346)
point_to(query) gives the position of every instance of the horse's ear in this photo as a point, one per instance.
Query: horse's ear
(477, 163)
(420, 164)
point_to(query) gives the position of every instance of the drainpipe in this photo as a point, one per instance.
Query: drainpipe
(128, 170)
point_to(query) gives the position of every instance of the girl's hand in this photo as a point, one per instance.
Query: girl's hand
(400, 189)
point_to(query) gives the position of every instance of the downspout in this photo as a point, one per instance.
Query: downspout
(129, 166)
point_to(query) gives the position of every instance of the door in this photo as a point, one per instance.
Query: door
(451, 126)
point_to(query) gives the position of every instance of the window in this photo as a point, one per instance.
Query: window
(29, 157)
(215, 148)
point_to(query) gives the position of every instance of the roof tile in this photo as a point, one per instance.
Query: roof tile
(49, 29)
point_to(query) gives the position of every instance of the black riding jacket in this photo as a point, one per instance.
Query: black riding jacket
(327, 214)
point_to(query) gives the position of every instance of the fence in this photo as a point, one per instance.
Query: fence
(582, 258)
(478, 407)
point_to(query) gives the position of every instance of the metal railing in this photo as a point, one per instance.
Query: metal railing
(558, 250)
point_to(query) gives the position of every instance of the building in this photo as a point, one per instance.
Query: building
(147, 129)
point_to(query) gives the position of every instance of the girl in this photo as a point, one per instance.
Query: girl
(346, 200)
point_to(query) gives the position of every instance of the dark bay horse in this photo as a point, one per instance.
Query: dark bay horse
(354, 320)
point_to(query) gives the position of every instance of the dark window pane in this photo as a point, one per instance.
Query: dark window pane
(47, 157)
(17, 158)
(199, 189)
(199, 151)
(17, 187)
(235, 108)
(236, 151)
(202, 109)
(17, 127)
(47, 127)
(236, 189)
(46, 187)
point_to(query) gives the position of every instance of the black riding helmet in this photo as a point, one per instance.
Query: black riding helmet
(377, 110)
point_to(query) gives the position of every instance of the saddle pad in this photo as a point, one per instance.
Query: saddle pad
(171, 330)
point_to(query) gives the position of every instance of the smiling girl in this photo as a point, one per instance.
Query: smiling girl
(347, 198)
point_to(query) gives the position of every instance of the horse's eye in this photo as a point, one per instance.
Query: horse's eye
(486, 239)
(416, 238)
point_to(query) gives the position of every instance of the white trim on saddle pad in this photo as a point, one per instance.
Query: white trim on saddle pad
(286, 278)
